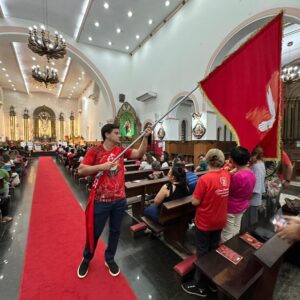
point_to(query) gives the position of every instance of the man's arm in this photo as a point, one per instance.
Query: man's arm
(86, 170)
(138, 153)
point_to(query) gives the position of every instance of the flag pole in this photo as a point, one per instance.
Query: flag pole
(144, 132)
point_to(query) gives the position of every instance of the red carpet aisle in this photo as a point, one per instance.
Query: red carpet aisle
(54, 247)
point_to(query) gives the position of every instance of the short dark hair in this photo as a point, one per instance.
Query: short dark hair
(108, 128)
(240, 156)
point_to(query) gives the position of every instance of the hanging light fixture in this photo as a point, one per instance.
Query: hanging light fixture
(290, 73)
(42, 44)
(48, 77)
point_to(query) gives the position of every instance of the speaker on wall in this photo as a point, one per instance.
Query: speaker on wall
(122, 98)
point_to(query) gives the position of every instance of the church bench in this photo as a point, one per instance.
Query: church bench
(173, 221)
(141, 174)
(132, 167)
(129, 162)
(144, 187)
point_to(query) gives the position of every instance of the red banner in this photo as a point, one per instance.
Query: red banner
(246, 90)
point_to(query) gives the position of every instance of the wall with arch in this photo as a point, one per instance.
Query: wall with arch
(20, 101)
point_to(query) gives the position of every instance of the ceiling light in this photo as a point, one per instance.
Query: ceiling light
(150, 21)
(9, 80)
(90, 38)
(42, 44)
(127, 47)
(3, 69)
(96, 24)
(109, 43)
(167, 3)
(6, 75)
(33, 58)
(82, 73)
(137, 36)
(118, 30)
(14, 89)
(49, 76)
(76, 83)
(53, 63)
(106, 5)
(0, 62)
(129, 14)
(79, 78)
(12, 85)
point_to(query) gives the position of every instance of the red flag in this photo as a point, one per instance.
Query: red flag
(245, 90)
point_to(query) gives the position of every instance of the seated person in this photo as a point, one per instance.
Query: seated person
(4, 183)
(175, 189)
(191, 177)
(202, 164)
(146, 162)
(157, 173)
(4, 207)
(164, 159)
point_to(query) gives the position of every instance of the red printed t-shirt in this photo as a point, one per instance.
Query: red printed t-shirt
(112, 182)
(212, 191)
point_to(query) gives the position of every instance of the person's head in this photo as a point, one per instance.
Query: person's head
(215, 158)
(201, 157)
(257, 154)
(240, 156)
(111, 132)
(177, 174)
(180, 164)
(180, 157)
(164, 157)
(155, 165)
(149, 158)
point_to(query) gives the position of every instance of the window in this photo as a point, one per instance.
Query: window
(183, 131)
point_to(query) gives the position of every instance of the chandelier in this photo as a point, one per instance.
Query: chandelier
(42, 44)
(48, 77)
(290, 73)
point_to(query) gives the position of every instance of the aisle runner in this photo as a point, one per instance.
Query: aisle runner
(54, 247)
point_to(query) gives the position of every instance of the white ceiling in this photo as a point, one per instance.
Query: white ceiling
(77, 18)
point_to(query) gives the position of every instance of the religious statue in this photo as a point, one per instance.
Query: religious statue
(127, 127)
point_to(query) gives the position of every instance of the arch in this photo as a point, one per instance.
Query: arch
(246, 28)
(177, 98)
(42, 115)
(20, 34)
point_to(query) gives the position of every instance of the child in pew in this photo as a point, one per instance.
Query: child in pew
(210, 199)
(175, 189)
(157, 173)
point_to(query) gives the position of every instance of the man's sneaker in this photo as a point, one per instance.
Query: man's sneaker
(191, 288)
(113, 268)
(83, 268)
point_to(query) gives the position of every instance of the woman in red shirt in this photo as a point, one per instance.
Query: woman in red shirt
(210, 199)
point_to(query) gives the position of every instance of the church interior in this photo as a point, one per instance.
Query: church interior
(75, 72)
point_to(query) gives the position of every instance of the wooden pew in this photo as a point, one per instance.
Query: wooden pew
(142, 174)
(254, 277)
(173, 221)
(132, 167)
(143, 187)
(129, 162)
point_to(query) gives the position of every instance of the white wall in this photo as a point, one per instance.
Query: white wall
(20, 101)
(94, 114)
(176, 58)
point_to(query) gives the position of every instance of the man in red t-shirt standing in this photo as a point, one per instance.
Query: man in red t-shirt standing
(210, 199)
(107, 198)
